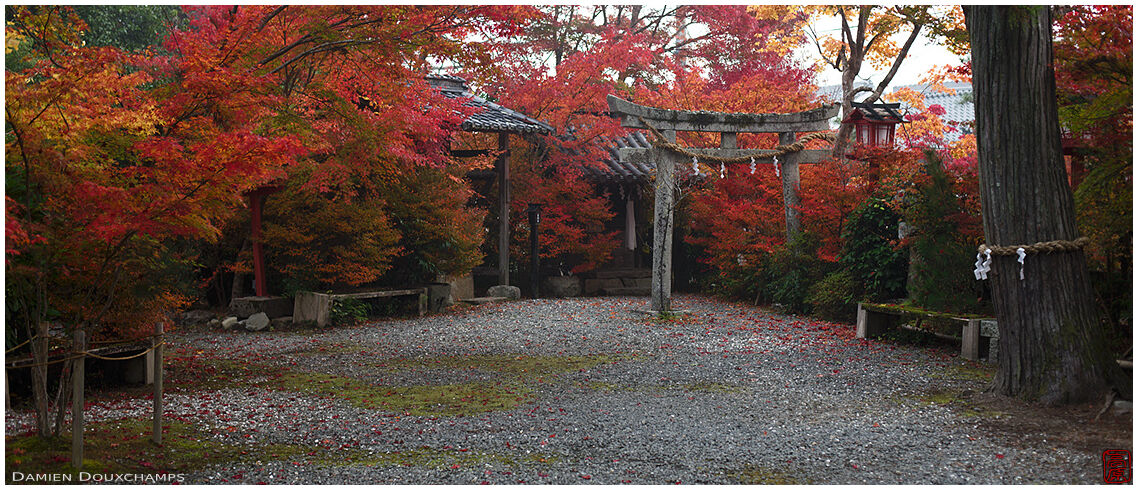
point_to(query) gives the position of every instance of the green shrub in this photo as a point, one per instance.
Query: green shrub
(790, 271)
(346, 311)
(835, 297)
(870, 253)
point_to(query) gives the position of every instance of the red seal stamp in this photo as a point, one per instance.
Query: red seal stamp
(1116, 466)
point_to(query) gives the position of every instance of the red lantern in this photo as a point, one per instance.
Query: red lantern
(874, 124)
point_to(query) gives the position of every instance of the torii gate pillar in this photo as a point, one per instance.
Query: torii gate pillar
(662, 229)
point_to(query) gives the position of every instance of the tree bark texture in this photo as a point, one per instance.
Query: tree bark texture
(1052, 348)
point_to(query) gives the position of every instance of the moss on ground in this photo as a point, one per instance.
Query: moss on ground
(515, 375)
(970, 371)
(700, 387)
(427, 400)
(125, 446)
(758, 475)
(521, 367)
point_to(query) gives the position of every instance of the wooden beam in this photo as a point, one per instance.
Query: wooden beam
(720, 122)
(642, 155)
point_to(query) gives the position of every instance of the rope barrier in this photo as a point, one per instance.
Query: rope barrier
(9, 351)
(143, 353)
(98, 342)
(92, 354)
(662, 142)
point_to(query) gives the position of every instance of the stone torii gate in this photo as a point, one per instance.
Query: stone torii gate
(667, 122)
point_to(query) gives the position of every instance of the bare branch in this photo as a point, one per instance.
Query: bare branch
(896, 65)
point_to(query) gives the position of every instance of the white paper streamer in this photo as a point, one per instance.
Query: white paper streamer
(1022, 255)
(722, 170)
(752, 165)
(983, 264)
(776, 171)
(695, 165)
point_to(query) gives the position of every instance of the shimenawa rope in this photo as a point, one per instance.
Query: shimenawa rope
(661, 142)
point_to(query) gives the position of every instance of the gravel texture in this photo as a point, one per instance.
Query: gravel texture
(728, 394)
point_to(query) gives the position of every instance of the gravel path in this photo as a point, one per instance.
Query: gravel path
(730, 394)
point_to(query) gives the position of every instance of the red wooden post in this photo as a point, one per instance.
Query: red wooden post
(257, 198)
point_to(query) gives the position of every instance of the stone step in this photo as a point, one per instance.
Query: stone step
(483, 300)
(623, 273)
(626, 291)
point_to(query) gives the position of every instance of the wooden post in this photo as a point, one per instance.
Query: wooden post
(662, 232)
(534, 212)
(158, 348)
(503, 165)
(77, 375)
(790, 183)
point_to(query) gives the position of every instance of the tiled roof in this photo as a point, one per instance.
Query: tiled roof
(613, 169)
(878, 111)
(958, 107)
(492, 117)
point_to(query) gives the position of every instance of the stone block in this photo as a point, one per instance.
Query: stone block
(591, 286)
(229, 323)
(461, 287)
(439, 296)
(138, 370)
(503, 291)
(308, 306)
(638, 282)
(562, 287)
(272, 306)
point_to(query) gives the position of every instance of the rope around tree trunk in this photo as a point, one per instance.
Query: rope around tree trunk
(1040, 247)
(660, 141)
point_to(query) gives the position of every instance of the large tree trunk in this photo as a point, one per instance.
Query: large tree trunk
(1052, 347)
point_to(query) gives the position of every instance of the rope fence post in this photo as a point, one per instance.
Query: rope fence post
(77, 375)
(157, 363)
